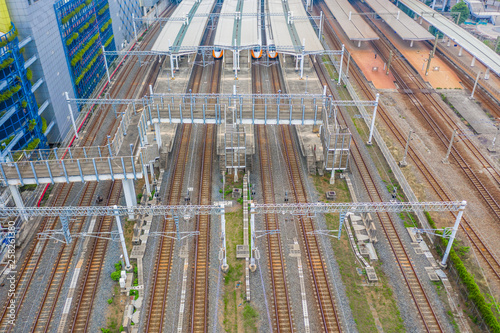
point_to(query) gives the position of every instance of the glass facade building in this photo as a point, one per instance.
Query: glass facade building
(85, 27)
(21, 127)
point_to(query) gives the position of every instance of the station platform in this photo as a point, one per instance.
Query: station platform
(354, 26)
(404, 26)
(457, 34)
(464, 60)
(373, 68)
(440, 76)
(278, 31)
(364, 56)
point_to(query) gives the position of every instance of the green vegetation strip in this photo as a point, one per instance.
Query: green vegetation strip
(86, 25)
(29, 74)
(468, 280)
(89, 66)
(106, 25)
(7, 62)
(72, 38)
(10, 38)
(6, 94)
(75, 11)
(79, 55)
(103, 9)
(367, 303)
(44, 125)
(6, 141)
(109, 41)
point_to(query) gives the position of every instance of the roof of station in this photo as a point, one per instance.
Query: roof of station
(244, 30)
(404, 26)
(180, 35)
(286, 35)
(355, 28)
(459, 35)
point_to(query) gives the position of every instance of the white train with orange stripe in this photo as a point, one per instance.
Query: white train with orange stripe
(217, 52)
(257, 52)
(271, 49)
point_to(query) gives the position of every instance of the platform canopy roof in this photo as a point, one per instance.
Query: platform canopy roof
(354, 26)
(184, 30)
(287, 37)
(242, 30)
(404, 26)
(457, 34)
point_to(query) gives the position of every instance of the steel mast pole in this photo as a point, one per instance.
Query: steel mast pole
(454, 232)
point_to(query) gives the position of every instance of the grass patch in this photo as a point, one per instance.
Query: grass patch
(238, 316)
(250, 317)
(114, 312)
(370, 305)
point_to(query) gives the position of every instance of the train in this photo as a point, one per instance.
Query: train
(217, 52)
(257, 52)
(272, 52)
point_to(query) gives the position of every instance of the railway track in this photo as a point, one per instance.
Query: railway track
(199, 301)
(323, 293)
(282, 312)
(26, 273)
(281, 306)
(92, 272)
(86, 291)
(324, 298)
(475, 239)
(45, 312)
(159, 290)
(424, 308)
(434, 114)
(163, 262)
(58, 274)
(425, 311)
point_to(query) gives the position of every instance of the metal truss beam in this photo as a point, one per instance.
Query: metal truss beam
(104, 101)
(190, 210)
(214, 15)
(154, 98)
(179, 50)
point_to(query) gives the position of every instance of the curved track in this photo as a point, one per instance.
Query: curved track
(425, 310)
(473, 235)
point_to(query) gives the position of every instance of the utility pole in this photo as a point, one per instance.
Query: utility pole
(403, 162)
(431, 55)
(71, 114)
(122, 241)
(372, 126)
(389, 63)
(492, 149)
(475, 84)
(106, 63)
(453, 233)
(445, 159)
(348, 61)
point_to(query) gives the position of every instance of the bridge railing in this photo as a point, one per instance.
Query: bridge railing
(77, 169)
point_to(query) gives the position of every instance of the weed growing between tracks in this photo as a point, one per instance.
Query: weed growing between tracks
(237, 313)
(114, 312)
(373, 306)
